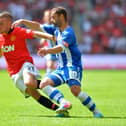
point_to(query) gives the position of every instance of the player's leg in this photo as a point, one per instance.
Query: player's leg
(41, 99)
(50, 63)
(29, 77)
(50, 66)
(37, 96)
(47, 86)
(61, 114)
(85, 99)
(44, 101)
(30, 74)
(75, 74)
(19, 83)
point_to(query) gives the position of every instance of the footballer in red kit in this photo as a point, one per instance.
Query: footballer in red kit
(20, 64)
(14, 48)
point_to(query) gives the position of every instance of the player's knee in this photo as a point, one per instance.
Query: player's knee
(75, 93)
(75, 90)
(45, 82)
(30, 84)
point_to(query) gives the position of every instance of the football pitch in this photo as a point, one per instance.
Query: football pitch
(106, 87)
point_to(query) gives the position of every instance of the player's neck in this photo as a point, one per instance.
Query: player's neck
(64, 26)
(9, 30)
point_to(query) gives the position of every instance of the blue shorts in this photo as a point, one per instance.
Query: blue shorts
(70, 75)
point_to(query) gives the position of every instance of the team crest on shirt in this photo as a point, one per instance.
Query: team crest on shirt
(12, 38)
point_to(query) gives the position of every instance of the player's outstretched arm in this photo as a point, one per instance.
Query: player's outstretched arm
(30, 24)
(54, 50)
(38, 34)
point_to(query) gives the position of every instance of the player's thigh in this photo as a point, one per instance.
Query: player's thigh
(30, 75)
(73, 75)
(45, 82)
(74, 79)
(57, 77)
(29, 80)
(30, 68)
(19, 83)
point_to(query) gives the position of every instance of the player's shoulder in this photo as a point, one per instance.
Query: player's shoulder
(46, 25)
(68, 31)
(21, 30)
(49, 28)
(18, 29)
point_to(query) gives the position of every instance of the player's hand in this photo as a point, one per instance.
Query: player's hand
(16, 23)
(42, 51)
(53, 38)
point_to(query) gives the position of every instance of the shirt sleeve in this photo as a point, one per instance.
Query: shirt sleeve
(66, 40)
(26, 33)
(48, 28)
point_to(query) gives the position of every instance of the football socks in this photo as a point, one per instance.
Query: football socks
(47, 103)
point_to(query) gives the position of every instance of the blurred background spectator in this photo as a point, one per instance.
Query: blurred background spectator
(100, 24)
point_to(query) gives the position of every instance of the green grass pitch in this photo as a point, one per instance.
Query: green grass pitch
(107, 88)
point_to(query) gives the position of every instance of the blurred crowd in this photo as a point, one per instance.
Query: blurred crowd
(100, 24)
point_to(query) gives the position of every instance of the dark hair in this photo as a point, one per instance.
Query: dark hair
(59, 11)
(6, 14)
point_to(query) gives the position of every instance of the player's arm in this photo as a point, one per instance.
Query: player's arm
(38, 34)
(30, 24)
(54, 50)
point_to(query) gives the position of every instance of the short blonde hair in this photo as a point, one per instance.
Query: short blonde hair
(6, 14)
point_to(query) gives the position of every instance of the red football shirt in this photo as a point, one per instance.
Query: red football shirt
(14, 48)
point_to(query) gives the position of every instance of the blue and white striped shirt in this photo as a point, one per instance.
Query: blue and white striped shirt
(70, 56)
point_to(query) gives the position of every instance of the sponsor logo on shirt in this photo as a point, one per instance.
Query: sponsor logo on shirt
(8, 48)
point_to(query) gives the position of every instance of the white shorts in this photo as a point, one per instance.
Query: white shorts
(18, 77)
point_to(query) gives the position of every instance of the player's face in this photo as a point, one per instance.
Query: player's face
(5, 25)
(56, 20)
